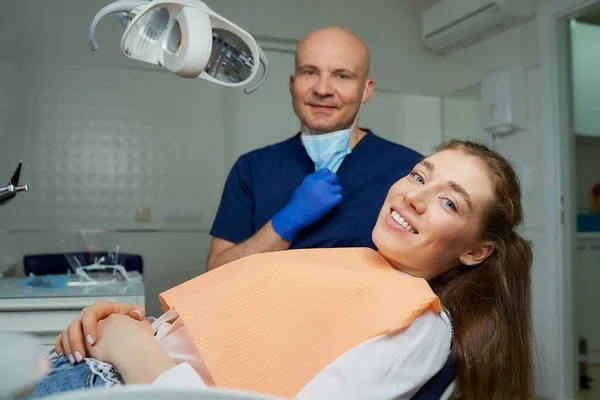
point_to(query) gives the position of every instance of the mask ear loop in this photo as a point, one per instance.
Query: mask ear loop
(360, 107)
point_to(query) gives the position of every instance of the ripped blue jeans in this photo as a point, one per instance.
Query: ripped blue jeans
(64, 377)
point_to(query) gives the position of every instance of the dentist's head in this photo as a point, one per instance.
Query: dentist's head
(330, 81)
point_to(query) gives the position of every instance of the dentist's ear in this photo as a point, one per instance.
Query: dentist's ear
(368, 91)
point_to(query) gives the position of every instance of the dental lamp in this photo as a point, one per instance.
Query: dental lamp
(188, 39)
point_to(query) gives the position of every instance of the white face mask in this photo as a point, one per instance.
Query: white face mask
(328, 150)
(188, 39)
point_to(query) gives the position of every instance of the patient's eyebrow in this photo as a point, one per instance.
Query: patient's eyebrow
(460, 190)
(455, 186)
(428, 165)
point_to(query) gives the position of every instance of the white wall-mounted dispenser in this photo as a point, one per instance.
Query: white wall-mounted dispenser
(504, 100)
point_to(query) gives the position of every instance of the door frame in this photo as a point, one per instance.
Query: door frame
(558, 145)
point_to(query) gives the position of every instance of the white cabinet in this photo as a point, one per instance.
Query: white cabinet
(587, 292)
(45, 313)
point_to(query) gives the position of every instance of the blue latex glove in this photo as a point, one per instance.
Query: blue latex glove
(318, 193)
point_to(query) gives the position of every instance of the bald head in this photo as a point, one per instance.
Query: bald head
(334, 40)
(331, 80)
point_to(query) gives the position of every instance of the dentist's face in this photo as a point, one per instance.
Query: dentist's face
(431, 218)
(329, 80)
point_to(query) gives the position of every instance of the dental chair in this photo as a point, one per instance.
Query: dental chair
(20, 368)
(440, 387)
(139, 392)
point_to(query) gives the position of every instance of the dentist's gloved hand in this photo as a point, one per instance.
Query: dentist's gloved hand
(318, 193)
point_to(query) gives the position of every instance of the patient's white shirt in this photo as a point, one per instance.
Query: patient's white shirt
(393, 366)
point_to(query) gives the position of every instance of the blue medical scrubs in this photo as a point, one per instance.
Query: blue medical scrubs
(262, 182)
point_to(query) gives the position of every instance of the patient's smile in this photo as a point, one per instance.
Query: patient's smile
(402, 222)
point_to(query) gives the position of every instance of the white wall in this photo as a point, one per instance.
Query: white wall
(461, 112)
(390, 28)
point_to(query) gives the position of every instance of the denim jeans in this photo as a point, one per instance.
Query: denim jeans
(64, 377)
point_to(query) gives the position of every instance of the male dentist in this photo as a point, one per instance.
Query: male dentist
(322, 187)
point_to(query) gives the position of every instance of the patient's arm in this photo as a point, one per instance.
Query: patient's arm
(82, 330)
(265, 240)
(130, 346)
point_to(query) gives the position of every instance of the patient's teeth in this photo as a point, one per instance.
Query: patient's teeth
(402, 222)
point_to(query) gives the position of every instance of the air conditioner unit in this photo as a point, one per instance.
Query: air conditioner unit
(450, 25)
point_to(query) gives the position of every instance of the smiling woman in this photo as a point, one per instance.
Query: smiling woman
(450, 279)
(439, 205)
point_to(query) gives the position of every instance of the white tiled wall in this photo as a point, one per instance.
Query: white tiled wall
(96, 143)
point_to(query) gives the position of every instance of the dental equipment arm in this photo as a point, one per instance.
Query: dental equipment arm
(188, 39)
(21, 363)
(8, 192)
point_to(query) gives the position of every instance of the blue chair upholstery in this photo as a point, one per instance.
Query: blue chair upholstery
(43, 264)
(438, 384)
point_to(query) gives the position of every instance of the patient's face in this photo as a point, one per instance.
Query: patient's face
(431, 217)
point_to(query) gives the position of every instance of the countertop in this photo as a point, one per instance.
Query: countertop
(11, 289)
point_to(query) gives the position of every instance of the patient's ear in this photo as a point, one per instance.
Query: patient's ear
(477, 254)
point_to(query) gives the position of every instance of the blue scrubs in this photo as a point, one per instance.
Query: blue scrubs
(262, 182)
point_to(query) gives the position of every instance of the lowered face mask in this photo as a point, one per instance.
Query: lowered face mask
(328, 150)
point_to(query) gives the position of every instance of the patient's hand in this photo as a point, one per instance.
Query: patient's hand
(117, 333)
(82, 331)
(131, 347)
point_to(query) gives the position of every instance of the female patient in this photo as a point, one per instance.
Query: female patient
(450, 225)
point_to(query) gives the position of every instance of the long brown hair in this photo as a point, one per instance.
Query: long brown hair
(490, 303)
